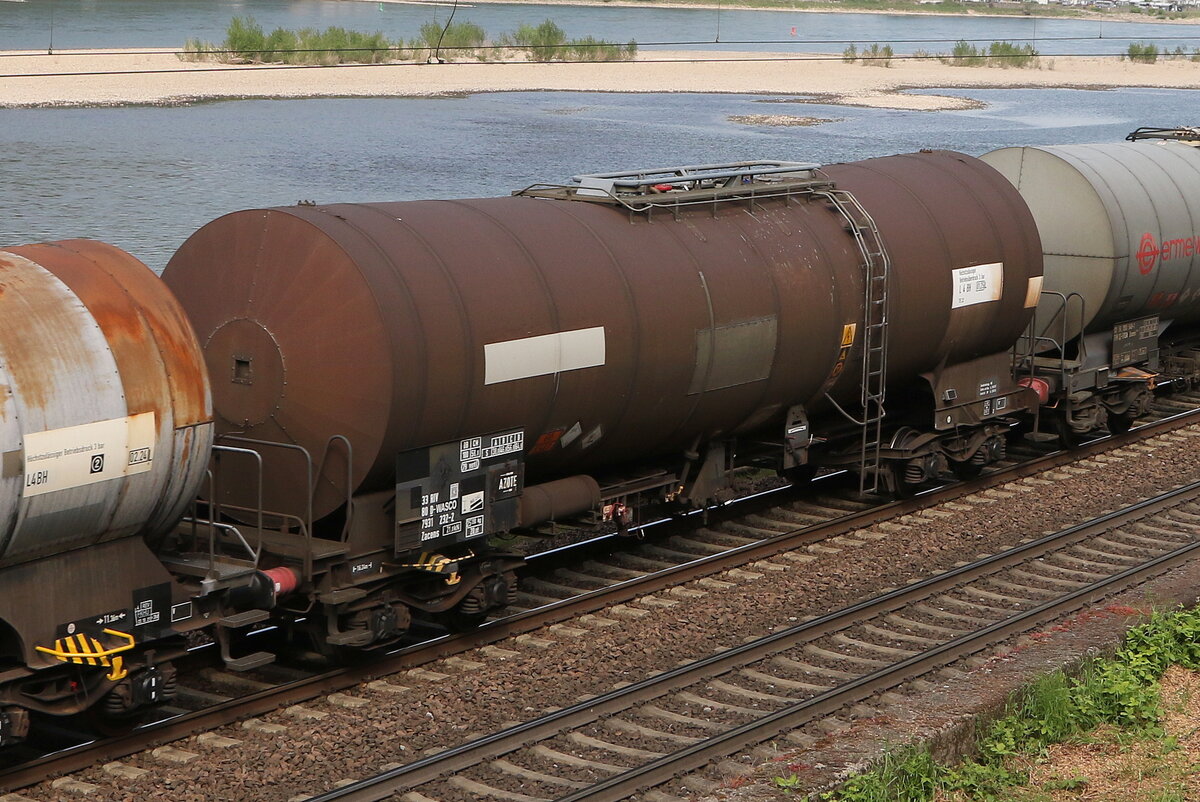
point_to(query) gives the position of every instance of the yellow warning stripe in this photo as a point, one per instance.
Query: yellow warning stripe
(83, 650)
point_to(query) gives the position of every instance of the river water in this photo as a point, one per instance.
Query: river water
(145, 177)
(40, 24)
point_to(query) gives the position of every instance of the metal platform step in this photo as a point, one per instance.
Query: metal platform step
(219, 568)
(342, 595)
(243, 619)
(249, 661)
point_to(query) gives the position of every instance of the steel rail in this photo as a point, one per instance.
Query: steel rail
(256, 704)
(661, 770)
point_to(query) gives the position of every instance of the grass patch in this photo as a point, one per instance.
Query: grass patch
(1120, 694)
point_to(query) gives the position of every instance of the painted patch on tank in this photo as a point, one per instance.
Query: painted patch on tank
(1033, 291)
(543, 355)
(977, 284)
(75, 456)
(734, 354)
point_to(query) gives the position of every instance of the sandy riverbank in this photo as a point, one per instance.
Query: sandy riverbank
(81, 78)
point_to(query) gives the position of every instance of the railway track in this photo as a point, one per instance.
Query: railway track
(742, 535)
(649, 733)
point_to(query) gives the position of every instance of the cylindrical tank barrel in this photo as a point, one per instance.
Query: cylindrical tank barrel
(606, 335)
(1120, 226)
(105, 412)
(551, 501)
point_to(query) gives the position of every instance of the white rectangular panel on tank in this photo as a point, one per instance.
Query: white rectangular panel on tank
(75, 456)
(543, 355)
(977, 284)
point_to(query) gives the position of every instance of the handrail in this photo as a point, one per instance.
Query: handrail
(218, 449)
(1062, 311)
(286, 519)
(308, 465)
(349, 478)
(217, 525)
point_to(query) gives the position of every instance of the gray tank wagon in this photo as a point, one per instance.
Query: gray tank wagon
(418, 375)
(1119, 227)
(105, 433)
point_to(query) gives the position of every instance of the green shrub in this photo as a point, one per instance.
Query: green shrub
(541, 42)
(997, 54)
(244, 40)
(963, 54)
(548, 42)
(457, 39)
(877, 56)
(1142, 52)
(1006, 54)
(850, 54)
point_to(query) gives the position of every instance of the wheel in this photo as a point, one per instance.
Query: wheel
(1120, 424)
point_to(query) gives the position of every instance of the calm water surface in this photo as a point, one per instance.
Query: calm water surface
(36, 24)
(145, 178)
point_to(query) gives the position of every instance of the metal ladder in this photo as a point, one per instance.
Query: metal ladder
(876, 266)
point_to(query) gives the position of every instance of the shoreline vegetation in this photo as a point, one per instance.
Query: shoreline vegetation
(246, 43)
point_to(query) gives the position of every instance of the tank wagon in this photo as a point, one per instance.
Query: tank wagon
(394, 382)
(105, 432)
(1121, 303)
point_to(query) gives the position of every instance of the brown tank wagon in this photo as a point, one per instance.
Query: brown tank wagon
(602, 334)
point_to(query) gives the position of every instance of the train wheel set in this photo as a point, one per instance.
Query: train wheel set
(320, 416)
